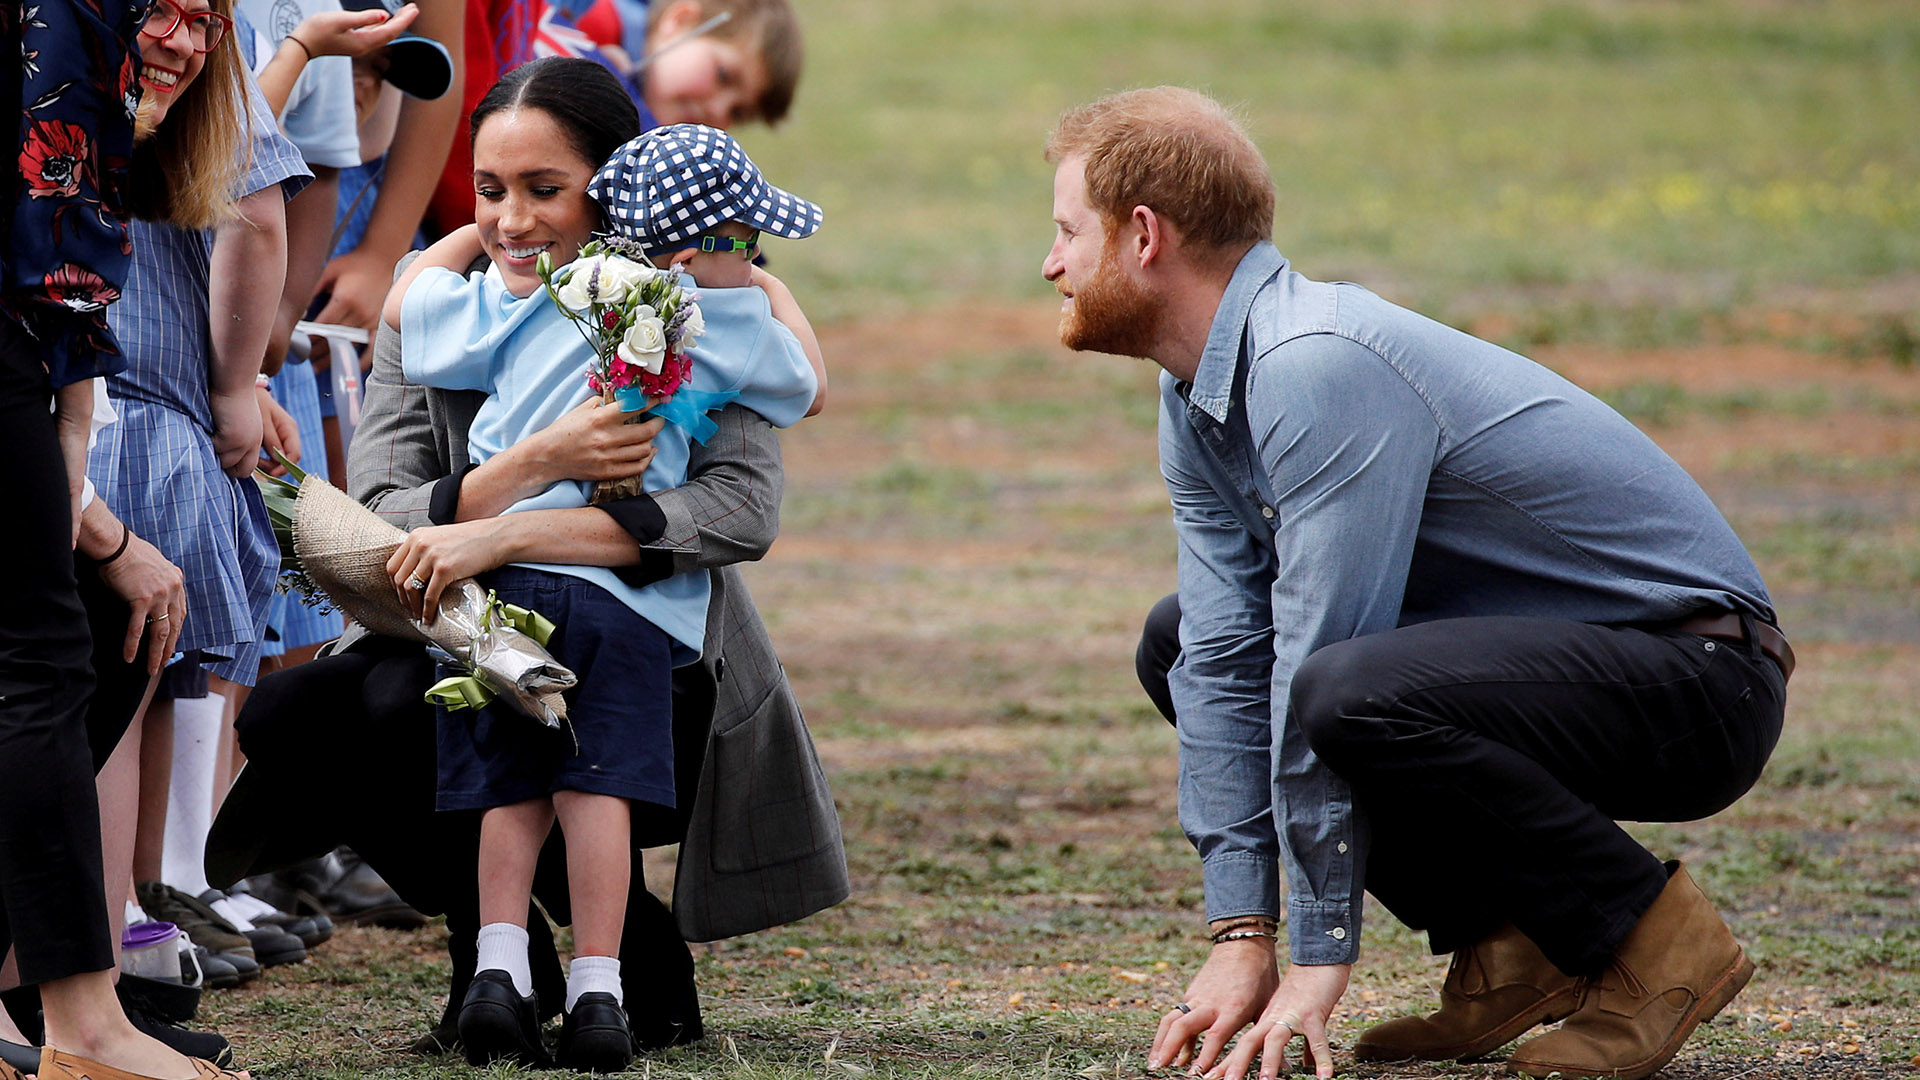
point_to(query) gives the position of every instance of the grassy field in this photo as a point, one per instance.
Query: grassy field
(1707, 212)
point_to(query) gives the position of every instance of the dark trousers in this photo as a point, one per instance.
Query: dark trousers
(350, 745)
(52, 907)
(1493, 758)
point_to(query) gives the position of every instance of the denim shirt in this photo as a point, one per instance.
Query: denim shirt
(1340, 466)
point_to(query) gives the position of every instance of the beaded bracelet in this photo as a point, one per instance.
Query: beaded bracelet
(1265, 922)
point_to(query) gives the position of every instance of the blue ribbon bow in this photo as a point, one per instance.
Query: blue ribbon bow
(686, 409)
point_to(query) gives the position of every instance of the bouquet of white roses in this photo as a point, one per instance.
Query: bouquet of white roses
(639, 320)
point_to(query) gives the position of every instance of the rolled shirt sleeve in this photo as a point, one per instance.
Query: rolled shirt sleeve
(1341, 447)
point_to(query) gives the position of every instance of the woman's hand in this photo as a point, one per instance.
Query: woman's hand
(594, 442)
(433, 557)
(237, 431)
(157, 597)
(278, 432)
(352, 33)
(1300, 1007)
(1238, 978)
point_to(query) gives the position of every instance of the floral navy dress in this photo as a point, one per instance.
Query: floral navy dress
(168, 485)
(63, 234)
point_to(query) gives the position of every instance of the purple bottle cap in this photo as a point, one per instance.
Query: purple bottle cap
(147, 934)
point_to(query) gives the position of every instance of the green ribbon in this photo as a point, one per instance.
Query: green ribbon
(467, 691)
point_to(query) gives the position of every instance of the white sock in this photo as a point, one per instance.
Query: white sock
(196, 753)
(593, 974)
(233, 913)
(250, 905)
(136, 914)
(503, 945)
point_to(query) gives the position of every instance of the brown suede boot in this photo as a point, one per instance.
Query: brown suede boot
(1496, 989)
(1678, 967)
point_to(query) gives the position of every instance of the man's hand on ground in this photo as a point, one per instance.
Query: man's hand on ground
(1300, 1006)
(1238, 978)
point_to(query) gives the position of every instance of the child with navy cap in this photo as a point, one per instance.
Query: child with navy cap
(690, 198)
(690, 195)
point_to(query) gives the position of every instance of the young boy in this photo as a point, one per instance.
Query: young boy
(742, 70)
(692, 199)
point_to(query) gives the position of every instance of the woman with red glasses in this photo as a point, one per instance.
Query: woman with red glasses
(65, 257)
(207, 181)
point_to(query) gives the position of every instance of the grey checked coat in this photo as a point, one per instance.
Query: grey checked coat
(763, 847)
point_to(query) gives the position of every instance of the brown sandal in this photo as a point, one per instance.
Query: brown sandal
(59, 1065)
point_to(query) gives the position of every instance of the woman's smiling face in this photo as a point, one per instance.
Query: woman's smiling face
(169, 63)
(530, 188)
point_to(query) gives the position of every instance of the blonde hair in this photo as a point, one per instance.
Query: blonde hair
(188, 171)
(771, 29)
(1175, 150)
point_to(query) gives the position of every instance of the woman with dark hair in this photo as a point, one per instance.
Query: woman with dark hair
(760, 844)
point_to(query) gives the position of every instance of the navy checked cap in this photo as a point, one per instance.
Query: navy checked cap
(674, 183)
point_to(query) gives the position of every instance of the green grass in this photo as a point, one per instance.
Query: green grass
(1626, 172)
(974, 530)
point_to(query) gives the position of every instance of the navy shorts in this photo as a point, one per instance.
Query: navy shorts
(621, 711)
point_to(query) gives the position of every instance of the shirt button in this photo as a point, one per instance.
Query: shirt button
(1338, 933)
(1342, 848)
(1267, 512)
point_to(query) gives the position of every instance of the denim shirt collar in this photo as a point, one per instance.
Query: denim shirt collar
(1212, 390)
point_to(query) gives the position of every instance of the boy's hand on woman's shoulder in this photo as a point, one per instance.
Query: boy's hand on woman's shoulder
(766, 282)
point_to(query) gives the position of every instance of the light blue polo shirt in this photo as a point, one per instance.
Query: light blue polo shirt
(469, 333)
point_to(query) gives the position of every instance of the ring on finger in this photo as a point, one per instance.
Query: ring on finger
(415, 583)
(1184, 1007)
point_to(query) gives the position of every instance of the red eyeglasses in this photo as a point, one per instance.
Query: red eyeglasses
(204, 28)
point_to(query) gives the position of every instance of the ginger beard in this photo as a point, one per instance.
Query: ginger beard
(1110, 312)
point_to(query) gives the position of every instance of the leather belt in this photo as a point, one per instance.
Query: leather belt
(1728, 626)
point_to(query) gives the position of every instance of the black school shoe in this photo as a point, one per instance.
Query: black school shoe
(497, 1024)
(170, 1002)
(22, 1057)
(200, 1044)
(594, 1037)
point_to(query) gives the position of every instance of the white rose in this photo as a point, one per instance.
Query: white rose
(645, 345)
(619, 277)
(574, 293)
(695, 325)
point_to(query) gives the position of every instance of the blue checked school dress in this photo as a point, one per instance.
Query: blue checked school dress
(295, 624)
(165, 480)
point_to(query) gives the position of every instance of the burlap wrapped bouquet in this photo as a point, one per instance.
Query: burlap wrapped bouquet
(338, 551)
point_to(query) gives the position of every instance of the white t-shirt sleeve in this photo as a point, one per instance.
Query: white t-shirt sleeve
(103, 415)
(319, 116)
